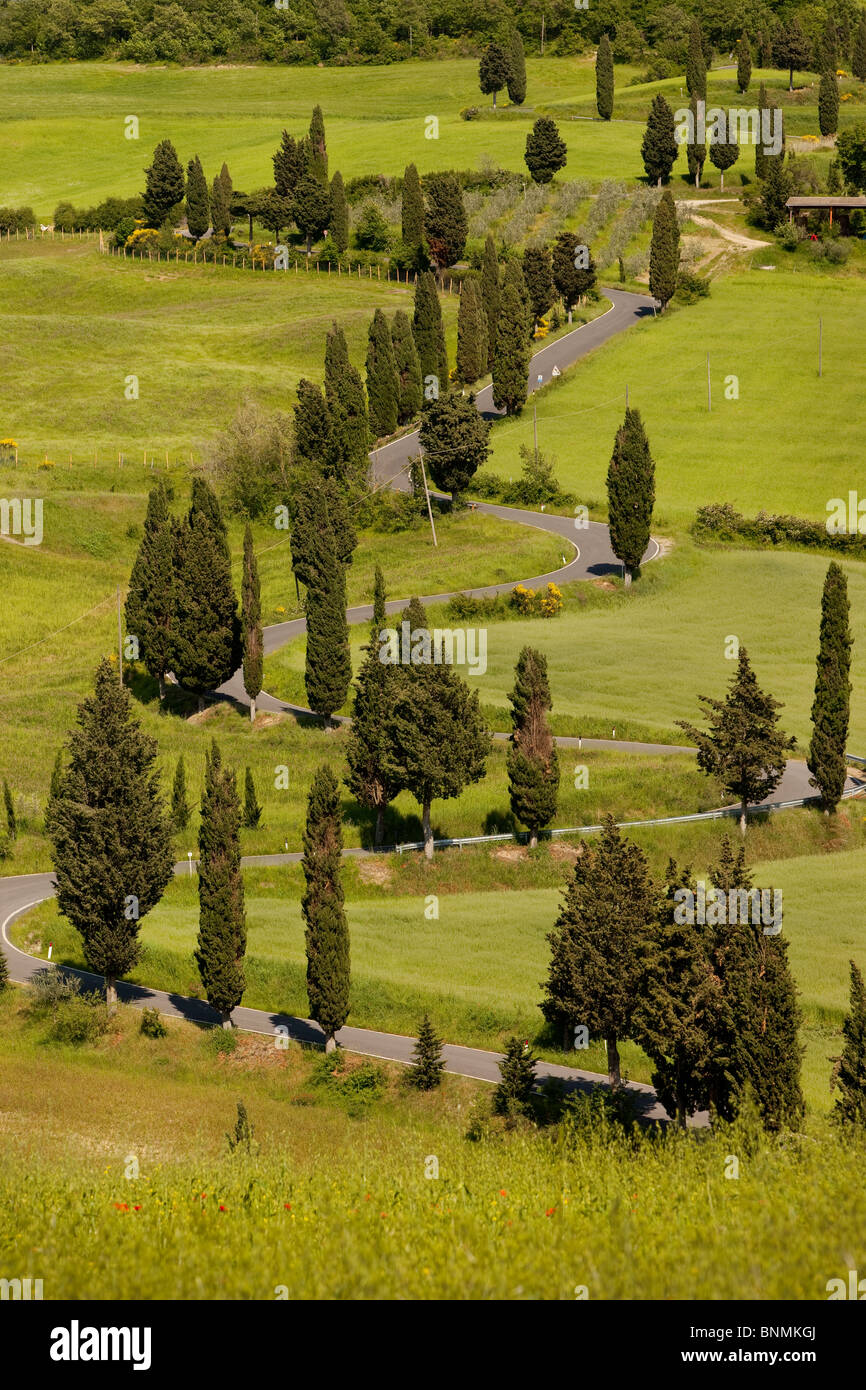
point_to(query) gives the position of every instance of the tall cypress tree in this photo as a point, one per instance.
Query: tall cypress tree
(445, 222)
(111, 837)
(9, 805)
(252, 809)
(197, 202)
(760, 155)
(318, 161)
(533, 766)
(206, 637)
(430, 337)
(630, 494)
(150, 601)
(538, 274)
(374, 688)
(858, 58)
(382, 383)
(828, 102)
(320, 553)
(180, 807)
(407, 367)
(744, 749)
(664, 250)
(491, 293)
(696, 67)
(312, 425)
(513, 350)
(338, 228)
(222, 930)
(659, 146)
(251, 624)
(310, 208)
(471, 333)
(164, 185)
(596, 943)
(830, 710)
(220, 209)
(412, 214)
(516, 81)
(849, 1070)
(327, 931)
(828, 47)
(290, 164)
(696, 150)
(776, 1064)
(349, 433)
(604, 78)
(436, 741)
(744, 63)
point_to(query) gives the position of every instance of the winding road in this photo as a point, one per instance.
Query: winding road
(593, 557)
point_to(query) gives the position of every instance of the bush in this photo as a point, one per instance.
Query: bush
(690, 288)
(249, 461)
(470, 113)
(16, 219)
(221, 1041)
(356, 1084)
(80, 1019)
(720, 521)
(152, 1025)
(371, 230)
(52, 986)
(531, 604)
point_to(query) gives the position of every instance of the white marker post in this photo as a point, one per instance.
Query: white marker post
(189, 857)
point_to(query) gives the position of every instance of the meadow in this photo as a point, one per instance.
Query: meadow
(477, 965)
(376, 120)
(341, 1199)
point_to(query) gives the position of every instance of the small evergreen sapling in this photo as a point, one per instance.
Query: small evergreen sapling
(428, 1059)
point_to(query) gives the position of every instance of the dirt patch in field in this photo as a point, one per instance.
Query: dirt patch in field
(513, 854)
(265, 719)
(258, 1052)
(602, 584)
(565, 853)
(202, 716)
(377, 871)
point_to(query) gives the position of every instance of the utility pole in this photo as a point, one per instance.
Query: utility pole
(709, 386)
(427, 495)
(119, 642)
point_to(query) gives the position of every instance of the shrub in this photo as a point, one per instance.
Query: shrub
(221, 1041)
(531, 604)
(82, 1018)
(356, 1084)
(243, 1137)
(470, 113)
(690, 288)
(52, 986)
(371, 230)
(16, 219)
(249, 461)
(152, 1025)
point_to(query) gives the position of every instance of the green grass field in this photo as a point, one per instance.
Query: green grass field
(375, 121)
(341, 1199)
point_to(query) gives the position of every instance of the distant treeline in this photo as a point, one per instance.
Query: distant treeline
(376, 31)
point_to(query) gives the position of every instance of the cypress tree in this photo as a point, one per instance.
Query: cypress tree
(744, 63)
(776, 1064)
(743, 749)
(604, 78)
(206, 644)
(546, 151)
(630, 494)
(696, 151)
(150, 601)
(251, 624)
(659, 146)
(53, 790)
(538, 274)
(533, 766)
(180, 807)
(596, 943)
(407, 367)
(471, 333)
(252, 809)
(513, 1094)
(858, 60)
(311, 208)
(494, 70)
(516, 80)
(664, 250)
(227, 188)
(849, 1070)
(828, 103)
(197, 203)
(164, 186)
(828, 48)
(830, 710)
(312, 427)
(327, 931)
(491, 292)
(111, 838)
(430, 337)
(9, 805)
(760, 155)
(374, 683)
(445, 222)
(775, 192)
(723, 154)
(455, 438)
(290, 164)
(349, 433)
(382, 384)
(696, 66)
(222, 930)
(220, 211)
(412, 214)
(571, 277)
(322, 541)
(513, 351)
(427, 1057)
(318, 158)
(338, 228)
(436, 742)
